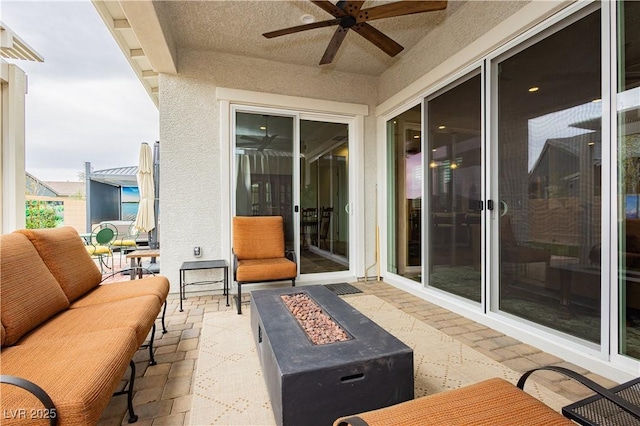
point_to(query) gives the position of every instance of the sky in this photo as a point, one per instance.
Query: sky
(84, 102)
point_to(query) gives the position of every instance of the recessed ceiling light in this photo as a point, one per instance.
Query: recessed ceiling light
(442, 127)
(307, 19)
(454, 166)
(263, 127)
(416, 136)
(595, 101)
(433, 164)
(591, 143)
(534, 89)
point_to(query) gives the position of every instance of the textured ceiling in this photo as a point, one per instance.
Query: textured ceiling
(236, 27)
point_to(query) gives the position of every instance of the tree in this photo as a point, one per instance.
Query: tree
(40, 215)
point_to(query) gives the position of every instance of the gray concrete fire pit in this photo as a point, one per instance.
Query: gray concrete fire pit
(314, 384)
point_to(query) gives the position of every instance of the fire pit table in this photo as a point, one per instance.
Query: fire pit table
(313, 383)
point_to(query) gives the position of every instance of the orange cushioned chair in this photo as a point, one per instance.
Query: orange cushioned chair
(497, 402)
(259, 254)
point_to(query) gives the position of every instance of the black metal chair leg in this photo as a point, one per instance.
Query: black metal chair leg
(164, 312)
(129, 391)
(132, 416)
(152, 360)
(239, 299)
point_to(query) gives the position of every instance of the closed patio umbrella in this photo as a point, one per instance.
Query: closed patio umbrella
(145, 219)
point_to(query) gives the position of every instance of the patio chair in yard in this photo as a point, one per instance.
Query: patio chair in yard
(100, 242)
(259, 254)
(499, 402)
(127, 242)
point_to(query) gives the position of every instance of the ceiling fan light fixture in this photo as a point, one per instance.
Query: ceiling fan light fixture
(307, 19)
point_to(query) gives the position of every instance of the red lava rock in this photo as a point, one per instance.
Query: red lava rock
(319, 326)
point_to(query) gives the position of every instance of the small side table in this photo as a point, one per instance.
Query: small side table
(136, 260)
(197, 265)
(597, 411)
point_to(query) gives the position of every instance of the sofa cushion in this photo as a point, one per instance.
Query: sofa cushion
(265, 270)
(30, 294)
(156, 286)
(258, 237)
(66, 257)
(79, 373)
(138, 313)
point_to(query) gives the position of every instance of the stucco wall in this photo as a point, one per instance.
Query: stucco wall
(463, 26)
(190, 149)
(469, 33)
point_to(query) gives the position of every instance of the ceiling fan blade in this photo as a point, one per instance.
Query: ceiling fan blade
(304, 27)
(383, 42)
(399, 8)
(329, 7)
(266, 141)
(334, 45)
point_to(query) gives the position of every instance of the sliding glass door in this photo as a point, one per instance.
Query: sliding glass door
(547, 130)
(628, 124)
(404, 186)
(324, 197)
(454, 176)
(311, 195)
(264, 168)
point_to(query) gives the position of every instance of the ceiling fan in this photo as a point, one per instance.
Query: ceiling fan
(348, 15)
(263, 142)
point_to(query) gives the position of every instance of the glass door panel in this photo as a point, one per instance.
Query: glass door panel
(548, 130)
(324, 197)
(454, 146)
(629, 176)
(404, 192)
(264, 168)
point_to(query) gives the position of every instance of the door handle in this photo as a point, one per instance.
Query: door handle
(505, 208)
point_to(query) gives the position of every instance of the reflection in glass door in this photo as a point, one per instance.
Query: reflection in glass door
(549, 172)
(404, 186)
(629, 176)
(454, 145)
(324, 197)
(264, 168)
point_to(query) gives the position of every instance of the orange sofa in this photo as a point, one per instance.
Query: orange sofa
(67, 339)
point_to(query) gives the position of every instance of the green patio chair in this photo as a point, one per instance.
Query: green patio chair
(101, 240)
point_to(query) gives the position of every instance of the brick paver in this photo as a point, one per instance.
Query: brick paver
(163, 392)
